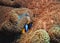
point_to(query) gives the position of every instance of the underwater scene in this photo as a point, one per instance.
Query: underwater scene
(29, 21)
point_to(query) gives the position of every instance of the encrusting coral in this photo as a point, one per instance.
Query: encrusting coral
(40, 36)
(54, 33)
(12, 22)
(17, 18)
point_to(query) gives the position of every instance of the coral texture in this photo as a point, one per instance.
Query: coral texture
(40, 36)
(17, 18)
(54, 33)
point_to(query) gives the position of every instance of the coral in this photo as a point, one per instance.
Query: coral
(46, 14)
(40, 36)
(15, 19)
(49, 16)
(43, 10)
(25, 3)
(13, 23)
(4, 14)
(10, 3)
(54, 33)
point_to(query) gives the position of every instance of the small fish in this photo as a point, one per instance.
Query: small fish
(28, 26)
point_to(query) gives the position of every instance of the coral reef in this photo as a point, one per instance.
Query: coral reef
(43, 13)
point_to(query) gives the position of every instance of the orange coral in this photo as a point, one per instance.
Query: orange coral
(46, 12)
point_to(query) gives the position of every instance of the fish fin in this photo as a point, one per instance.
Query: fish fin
(23, 31)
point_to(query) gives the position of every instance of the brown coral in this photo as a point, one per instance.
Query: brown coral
(11, 19)
(3, 14)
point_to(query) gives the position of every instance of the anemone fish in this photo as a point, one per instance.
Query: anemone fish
(27, 26)
(25, 29)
